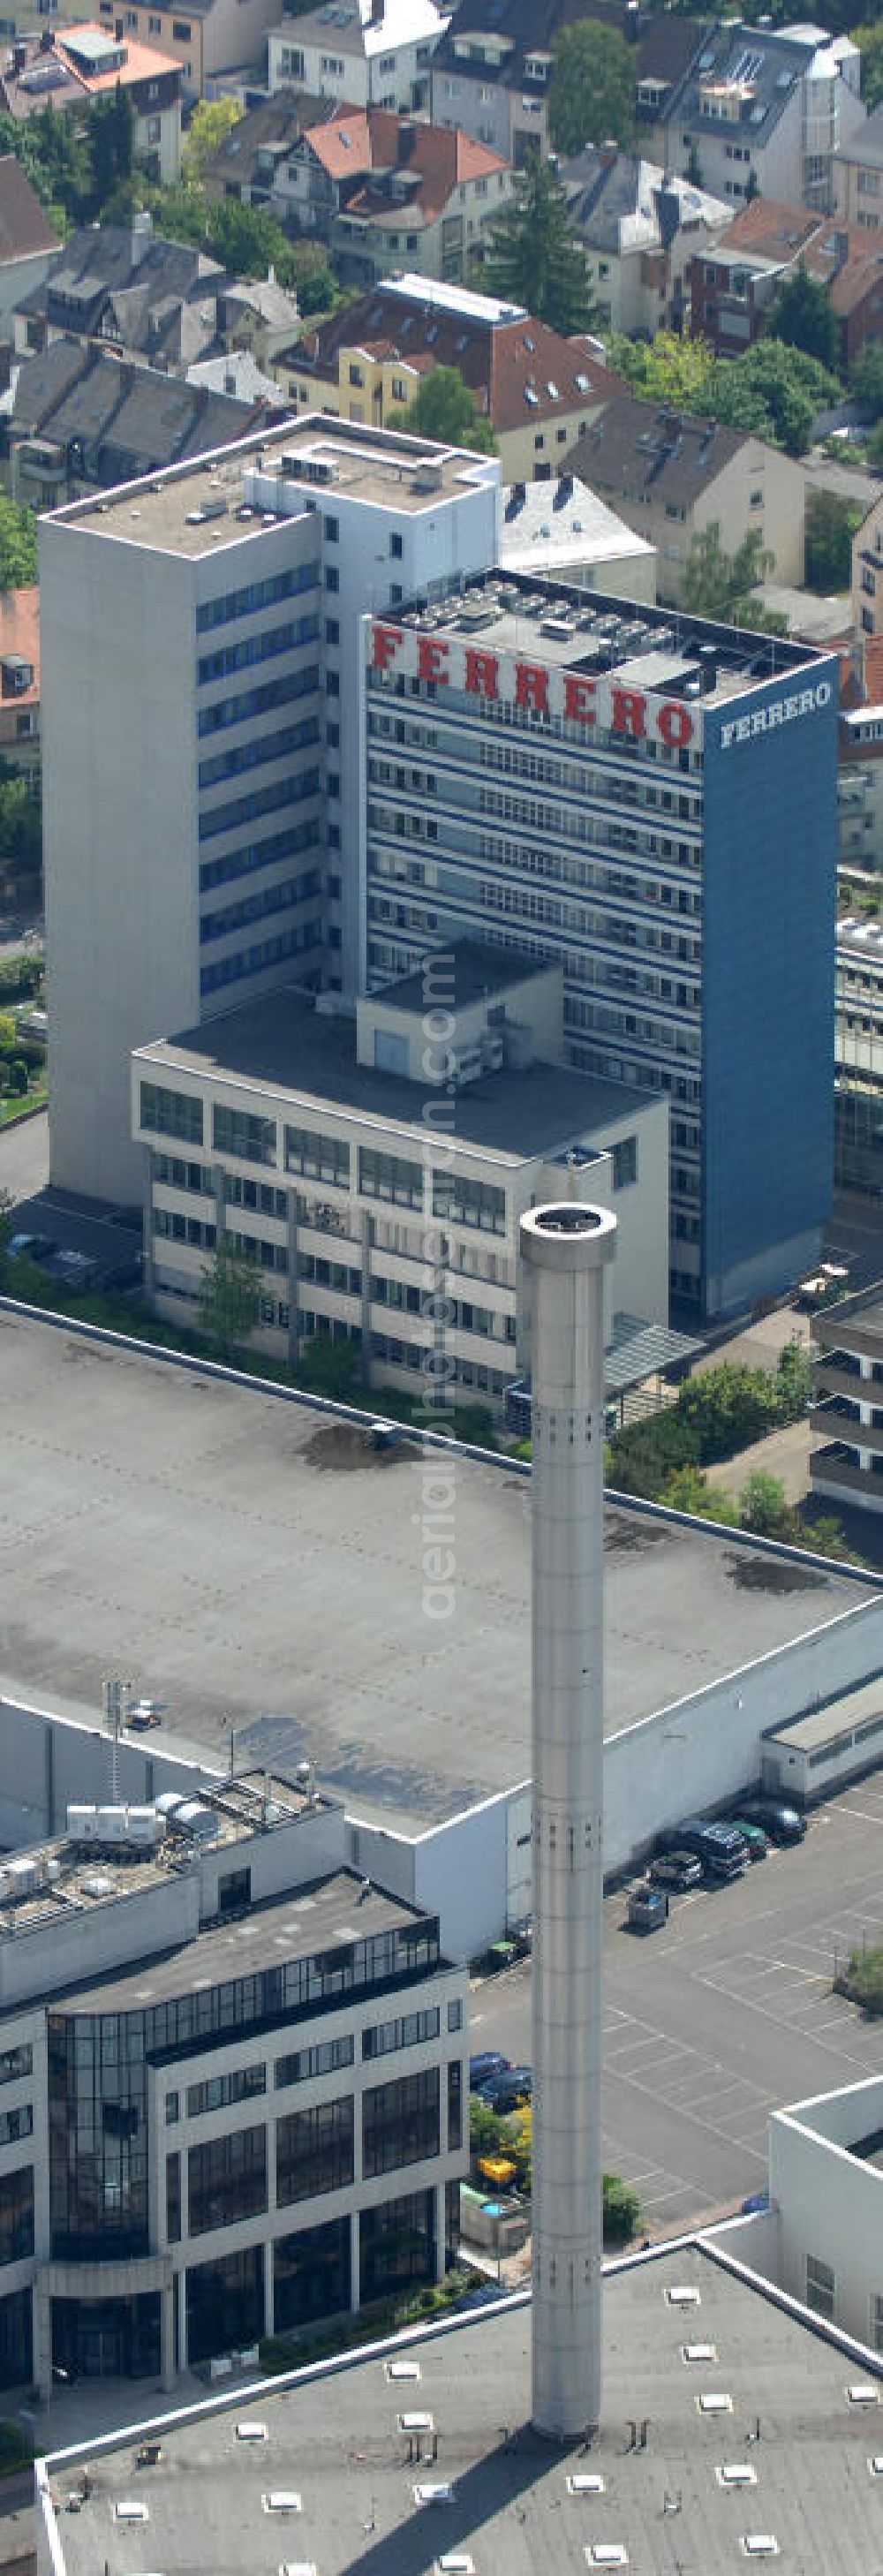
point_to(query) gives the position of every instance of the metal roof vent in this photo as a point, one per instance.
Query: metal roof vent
(456, 2562)
(714, 2402)
(607, 2553)
(251, 2431)
(298, 2567)
(131, 2511)
(736, 2473)
(416, 2424)
(698, 2352)
(434, 2491)
(585, 2482)
(402, 2370)
(863, 2393)
(759, 2544)
(282, 2500)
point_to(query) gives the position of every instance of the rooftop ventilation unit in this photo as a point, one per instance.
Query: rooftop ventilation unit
(116, 1828)
(428, 478)
(558, 629)
(477, 613)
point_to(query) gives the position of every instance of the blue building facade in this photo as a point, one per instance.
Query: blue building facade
(649, 800)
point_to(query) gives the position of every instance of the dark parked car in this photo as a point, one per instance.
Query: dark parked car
(647, 1908)
(489, 2062)
(676, 1869)
(783, 1823)
(33, 1247)
(504, 2092)
(752, 1834)
(721, 1850)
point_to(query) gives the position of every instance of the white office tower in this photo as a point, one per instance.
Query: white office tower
(566, 1247)
(203, 677)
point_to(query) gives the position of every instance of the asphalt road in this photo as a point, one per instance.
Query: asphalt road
(725, 2015)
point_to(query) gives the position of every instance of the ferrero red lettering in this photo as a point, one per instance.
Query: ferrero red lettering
(386, 641)
(431, 659)
(481, 673)
(532, 687)
(675, 725)
(579, 699)
(629, 709)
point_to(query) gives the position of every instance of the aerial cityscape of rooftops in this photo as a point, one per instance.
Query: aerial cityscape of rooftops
(441, 1286)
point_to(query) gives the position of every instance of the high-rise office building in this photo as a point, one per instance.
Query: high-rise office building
(651, 800)
(202, 694)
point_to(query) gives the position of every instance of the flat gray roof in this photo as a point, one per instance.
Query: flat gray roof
(256, 1563)
(369, 464)
(838, 1718)
(284, 1045)
(294, 1927)
(337, 2444)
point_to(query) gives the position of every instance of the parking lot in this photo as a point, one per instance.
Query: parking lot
(725, 2014)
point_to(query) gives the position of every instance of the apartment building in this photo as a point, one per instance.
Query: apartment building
(672, 477)
(640, 228)
(733, 290)
(847, 1407)
(652, 801)
(562, 531)
(362, 175)
(203, 786)
(368, 53)
(765, 111)
(232, 2084)
(858, 175)
(537, 389)
(493, 66)
(377, 1176)
(70, 68)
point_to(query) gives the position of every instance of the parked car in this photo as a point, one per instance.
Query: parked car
(753, 1835)
(721, 1850)
(144, 1712)
(33, 1247)
(783, 1823)
(647, 1908)
(677, 1869)
(503, 2093)
(488, 2062)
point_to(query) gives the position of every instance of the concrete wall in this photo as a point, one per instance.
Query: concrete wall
(51, 1762)
(829, 2203)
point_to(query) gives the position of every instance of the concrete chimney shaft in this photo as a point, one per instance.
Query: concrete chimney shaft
(566, 1248)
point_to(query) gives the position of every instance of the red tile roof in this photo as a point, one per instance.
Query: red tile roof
(518, 372)
(375, 142)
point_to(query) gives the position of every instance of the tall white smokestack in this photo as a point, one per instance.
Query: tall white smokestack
(566, 1247)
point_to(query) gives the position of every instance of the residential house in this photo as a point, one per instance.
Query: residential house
(867, 572)
(858, 175)
(209, 39)
(371, 53)
(764, 111)
(734, 287)
(493, 66)
(27, 240)
(126, 286)
(252, 158)
(20, 677)
(259, 315)
(562, 532)
(538, 390)
(82, 418)
(670, 477)
(366, 181)
(860, 772)
(68, 70)
(640, 230)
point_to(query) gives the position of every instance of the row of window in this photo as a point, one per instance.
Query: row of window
(255, 595)
(257, 648)
(261, 906)
(392, 1177)
(256, 702)
(227, 2178)
(255, 754)
(259, 854)
(264, 953)
(292, 790)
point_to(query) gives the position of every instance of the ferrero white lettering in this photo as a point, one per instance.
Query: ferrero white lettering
(780, 712)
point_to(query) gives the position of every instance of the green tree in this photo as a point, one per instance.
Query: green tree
(831, 522)
(867, 379)
(687, 1490)
(331, 1368)
(804, 317)
(794, 1380)
(229, 1297)
(443, 407)
(763, 1506)
(667, 369)
(720, 585)
(870, 42)
(18, 545)
(533, 256)
(592, 89)
(622, 2211)
(111, 140)
(211, 122)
